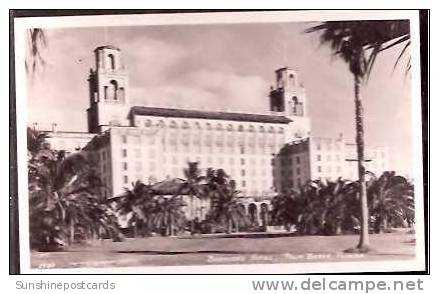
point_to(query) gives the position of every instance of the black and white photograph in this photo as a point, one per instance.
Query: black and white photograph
(220, 142)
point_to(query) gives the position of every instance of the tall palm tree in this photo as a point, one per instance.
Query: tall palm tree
(358, 43)
(226, 208)
(193, 186)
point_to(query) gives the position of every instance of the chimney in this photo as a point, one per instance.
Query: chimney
(54, 127)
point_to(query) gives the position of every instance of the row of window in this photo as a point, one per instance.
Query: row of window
(218, 127)
(328, 169)
(328, 157)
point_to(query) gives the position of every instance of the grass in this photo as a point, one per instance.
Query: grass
(198, 250)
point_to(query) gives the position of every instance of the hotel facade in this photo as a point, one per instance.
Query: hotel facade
(265, 153)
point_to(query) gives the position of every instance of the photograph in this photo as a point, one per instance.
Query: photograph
(219, 142)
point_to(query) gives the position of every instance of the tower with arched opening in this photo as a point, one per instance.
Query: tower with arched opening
(108, 84)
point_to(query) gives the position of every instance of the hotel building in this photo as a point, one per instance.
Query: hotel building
(263, 152)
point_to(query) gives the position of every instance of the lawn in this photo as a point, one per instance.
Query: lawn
(200, 250)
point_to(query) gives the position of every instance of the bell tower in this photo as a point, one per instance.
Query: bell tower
(288, 99)
(108, 90)
(288, 96)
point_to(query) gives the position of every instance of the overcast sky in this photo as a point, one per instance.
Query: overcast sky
(225, 67)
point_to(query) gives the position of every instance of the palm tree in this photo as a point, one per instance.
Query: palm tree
(391, 201)
(286, 208)
(358, 43)
(37, 40)
(137, 204)
(64, 194)
(167, 216)
(325, 207)
(193, 186)
(225, 206)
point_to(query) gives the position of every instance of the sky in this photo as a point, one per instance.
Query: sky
(225, 67)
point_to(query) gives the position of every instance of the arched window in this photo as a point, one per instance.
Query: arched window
(113, 89)
(112, 61)
(230, 127)
(173, 125)
(185, 125)
(219, 127)
(240, 128)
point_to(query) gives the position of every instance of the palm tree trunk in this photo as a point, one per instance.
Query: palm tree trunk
(171, 225)
(364, 235)
(229, 226)
(72, 231)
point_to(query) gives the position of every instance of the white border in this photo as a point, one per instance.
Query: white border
(21, 24)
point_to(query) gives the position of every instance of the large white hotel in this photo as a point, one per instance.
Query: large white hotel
(264, 153)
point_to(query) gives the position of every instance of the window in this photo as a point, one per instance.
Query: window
(319, 157)
(243, 172)
(124, 153)
(240, 128)
(319, 146)
(148, 123)
(124, 139)
(114, 88)
(298, 170)
(242, 161)
(319, 169)
(112, 61)
(243, 184)
(328, 158)
(241, 150)
(137, 153)
(173, 125)
(231, 160)
(125, 179)
(125, 165)
(297, 159)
